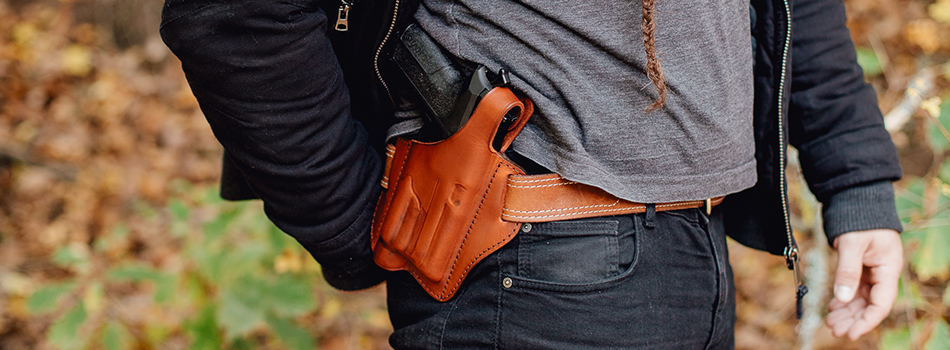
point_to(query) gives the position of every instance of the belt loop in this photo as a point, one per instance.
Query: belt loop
(650, 215)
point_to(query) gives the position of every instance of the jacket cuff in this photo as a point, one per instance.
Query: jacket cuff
(355, 274)
(860, 208)
(347, 259)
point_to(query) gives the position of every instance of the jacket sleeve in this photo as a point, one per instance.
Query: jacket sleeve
(847, 157)
(267, 80)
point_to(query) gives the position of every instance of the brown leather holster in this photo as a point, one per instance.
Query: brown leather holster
(441, 210)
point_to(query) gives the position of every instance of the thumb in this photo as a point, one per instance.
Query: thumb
(850, 265)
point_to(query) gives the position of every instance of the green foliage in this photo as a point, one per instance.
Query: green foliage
(944, 173)
(868, 61)
(924, 207)
(938, 141)
(239, 313)
(246, 303)
(925, 239)
(930, 258)
(178, 210)
(164, 283)
(909, 202)
(179, 215)
(241, 344)
(144, 209)
(64, 332)
(72, 256)
(940, 337)
(203, 330)
(116, 336)
(903, 338)
(248, 295)
(219, 225)
(290, 334)
(229, 276)
(119, 233)
(45, 299)
(290, 296)
(896, 339)
(908, 293)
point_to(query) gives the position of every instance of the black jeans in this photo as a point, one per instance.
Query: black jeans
(607, 283)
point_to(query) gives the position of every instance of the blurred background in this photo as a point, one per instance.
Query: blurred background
(112, 235)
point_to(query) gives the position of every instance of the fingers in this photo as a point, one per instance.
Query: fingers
(835, 304)
(866, 276)
(867, 320)
(881, 296)
(851, 250)
(860, 315)
(844, 316)
(841, 327)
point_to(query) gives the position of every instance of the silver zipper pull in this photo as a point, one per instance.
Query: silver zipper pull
(342, 17)
(792, 261)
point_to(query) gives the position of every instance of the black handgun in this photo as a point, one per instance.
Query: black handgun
(440, 82)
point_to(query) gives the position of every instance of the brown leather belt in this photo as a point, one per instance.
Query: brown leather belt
(550, 197)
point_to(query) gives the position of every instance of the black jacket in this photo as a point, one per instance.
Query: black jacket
(269, 76)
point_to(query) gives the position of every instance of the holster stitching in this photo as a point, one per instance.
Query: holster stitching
(467, 232)
(515, 230)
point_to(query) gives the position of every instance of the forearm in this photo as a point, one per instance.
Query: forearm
(834, 119)
(270, 87)
(846, 154)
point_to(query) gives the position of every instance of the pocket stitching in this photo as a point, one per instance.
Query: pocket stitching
(582, 288)
(580, 229)
(689, 218)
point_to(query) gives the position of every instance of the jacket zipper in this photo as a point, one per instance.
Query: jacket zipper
(343, 16)
(342, 25)
(379, 49)
(791, 251)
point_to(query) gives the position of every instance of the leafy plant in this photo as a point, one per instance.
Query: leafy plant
(229, 280)
(924, 207)
(869, 62)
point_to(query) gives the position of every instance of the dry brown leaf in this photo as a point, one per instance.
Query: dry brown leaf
(940, 11)
(77, 60)
(926, 34)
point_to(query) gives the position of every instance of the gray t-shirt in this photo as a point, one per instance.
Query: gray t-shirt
(583, 65)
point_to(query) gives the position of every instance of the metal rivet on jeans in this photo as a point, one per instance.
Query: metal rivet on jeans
(526, 227)
(507, 282)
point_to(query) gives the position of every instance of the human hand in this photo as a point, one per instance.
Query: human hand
(869, 265)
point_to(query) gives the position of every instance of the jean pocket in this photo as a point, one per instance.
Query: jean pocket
(572, 252)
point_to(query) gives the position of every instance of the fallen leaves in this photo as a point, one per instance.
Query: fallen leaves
(77, 60)
(940, 11)
(927, 34)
